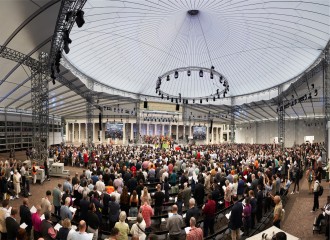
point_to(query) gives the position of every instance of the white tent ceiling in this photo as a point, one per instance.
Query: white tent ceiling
(128, 44)
(256, 44)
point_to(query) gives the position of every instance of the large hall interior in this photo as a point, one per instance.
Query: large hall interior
(164, 119)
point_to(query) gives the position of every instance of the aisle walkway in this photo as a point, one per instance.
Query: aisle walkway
(299, 220)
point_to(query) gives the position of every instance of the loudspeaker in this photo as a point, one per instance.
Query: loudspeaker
(145, 104)
(177, 107)
(100, 121)
(211, 125)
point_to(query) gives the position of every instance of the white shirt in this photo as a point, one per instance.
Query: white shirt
(100, 186)
(117, 196)
(136, 231)
(73, 235)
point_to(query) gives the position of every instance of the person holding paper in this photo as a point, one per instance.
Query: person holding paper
(36, 222)
(235, 219)
(3, 215)
(17, 183)
(209, 214)
(47, 230)
(64, 230)
(194, 232)
(12, 225)
(81, 234)
(65, 212)
(174, 224)
(93, 221)
(26, 217)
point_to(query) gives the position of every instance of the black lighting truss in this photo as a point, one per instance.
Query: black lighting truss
(39, 97)
(232, 122)
(138, 123)
(220, 82)
(64, 23)
(90, 98)
(281, 119)
(326, 95)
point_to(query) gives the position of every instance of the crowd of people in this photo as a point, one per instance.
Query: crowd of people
(139, 190)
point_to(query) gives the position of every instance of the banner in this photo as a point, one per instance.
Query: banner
(199, 133)
(114, 130)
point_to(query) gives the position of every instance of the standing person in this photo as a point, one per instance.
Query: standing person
(174, 224)
(57, 199)
(36, 222)
(12, 225)
(138, 228)
(260, 197)
(133, 202)
(34, 172)
(227, 196)
(93, 221)
(247, 216)
(122, 226)
(316, 195)
(209, 214)
(3, 215)
(81, 234)
(26, 217)
(277, 211)
(194, 233)
(114, 209)
(147, 212)
(159, 197)
(193, 211)
(45, 202)
(65, 212)
(47, 230)
(25, 179)
(199, 192)
(235, 219)
(253, 202)
(186, 195)
(309, 176)
(296, 178)
(17, 183)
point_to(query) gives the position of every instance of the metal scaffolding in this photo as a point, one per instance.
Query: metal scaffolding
(232, 122)
(326, 94)
(138, 123)
(90, 113)
(281, 118)
(40, 108)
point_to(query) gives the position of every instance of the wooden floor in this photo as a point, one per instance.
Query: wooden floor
(298, 220)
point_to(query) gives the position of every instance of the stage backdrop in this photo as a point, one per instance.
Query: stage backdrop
(114, 130)
(199, 132)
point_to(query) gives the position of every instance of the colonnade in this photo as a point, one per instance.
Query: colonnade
(76, 132)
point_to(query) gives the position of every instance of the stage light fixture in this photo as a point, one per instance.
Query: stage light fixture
(212, 67)
(207, 100)
(213, 99)
(193, 100)
(168, 78)
(211, 75)
(201, 101)
(220, 79)
(176, 74)
(312, 85)
(188, 73)
(162, 96)
(80, 18)
(315, 92)
(201, 73)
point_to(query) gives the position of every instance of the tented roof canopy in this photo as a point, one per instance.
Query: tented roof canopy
(256, 44)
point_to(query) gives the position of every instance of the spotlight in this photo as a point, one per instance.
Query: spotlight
(218, 91)
(80, 18)
(159, 93)
(171, 99)
(207, 100)
(211, 75)
(193, 100)
(66, 36)
(162, 96)
(188, 73)
(312, 85)
(212, 67)
(201, 101)
(315, 92)
(213, 99)
(176, 74)
(168, 78)
(201, 73)
(220, 79)
(187, 101)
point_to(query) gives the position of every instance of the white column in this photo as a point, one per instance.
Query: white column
(177, 132)
(148, 129)
(163, 129)
(207, 135)
(93, 137)
(132, 132)
(212, 134)
(217, 135)
(124, 134)
(190, 130)
(101, 134)
(169, 130)
(79, 132)
(72, 132)
(67, 135)
(184, 133)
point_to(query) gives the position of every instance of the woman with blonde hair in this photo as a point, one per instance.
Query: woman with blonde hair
(133, 202)
(146, 196)
(122, 226)
(64, 230)
(227, 196)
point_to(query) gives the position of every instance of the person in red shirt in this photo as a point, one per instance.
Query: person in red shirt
(209, 214)
(147, 212)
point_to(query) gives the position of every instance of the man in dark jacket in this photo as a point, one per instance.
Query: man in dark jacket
(235, 219)
(11, 225)
(25, 215)
(193, 211)
(199, 193)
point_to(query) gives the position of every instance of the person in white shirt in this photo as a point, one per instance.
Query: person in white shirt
(4, 213)
(138, 228)
(100, 184)
(17, 183)
(81, 234)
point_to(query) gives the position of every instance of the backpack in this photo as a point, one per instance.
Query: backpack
(320, 190)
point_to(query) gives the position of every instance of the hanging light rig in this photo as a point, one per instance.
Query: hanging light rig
(219, 81)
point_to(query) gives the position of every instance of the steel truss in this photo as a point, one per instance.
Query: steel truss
(281, 119)
(90, 113)
(326, 94)
(232, 122)
(138, 122)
